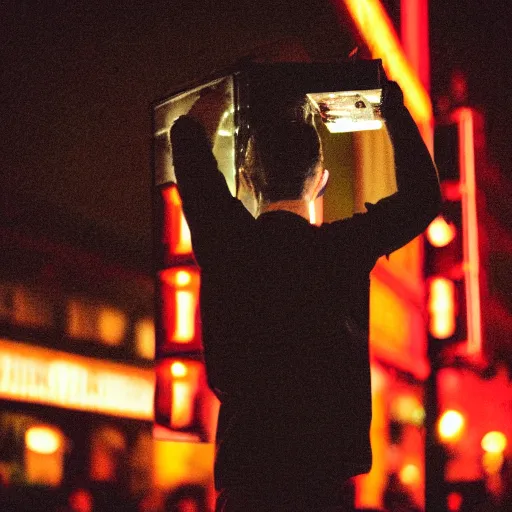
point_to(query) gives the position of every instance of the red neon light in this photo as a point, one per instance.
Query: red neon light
(440, 233)
(441, 307)
(471, 265)
(414, 32)
(377, 30)
(180, 296)
(175, 231)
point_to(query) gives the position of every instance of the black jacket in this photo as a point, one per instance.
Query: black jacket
(285, 307)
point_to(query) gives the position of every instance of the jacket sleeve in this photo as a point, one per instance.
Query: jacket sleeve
(395, 220)
(214, 216)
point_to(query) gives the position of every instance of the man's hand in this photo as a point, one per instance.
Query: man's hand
(209, 108)
(392, 100)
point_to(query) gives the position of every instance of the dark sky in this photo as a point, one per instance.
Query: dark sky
(476, 37)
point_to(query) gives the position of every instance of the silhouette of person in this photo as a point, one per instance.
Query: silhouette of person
(285, 304)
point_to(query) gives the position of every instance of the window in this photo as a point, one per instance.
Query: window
(145, 338)
(92, 321)
(32, 308)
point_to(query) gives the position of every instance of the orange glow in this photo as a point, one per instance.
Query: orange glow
(112, 325)
(441, 307)
(183, 278)
(408, 409)
(185, 377)
(145, 338)
(470, 231)
(178, 369)
(180, 297)
(450, 426)
(377, 30)
(492, 462)
(44, 440)
(185, 317)
(182, 412)
(494, 442)
(409, 474)
(49, 377)
(175, 230)
(440, 233)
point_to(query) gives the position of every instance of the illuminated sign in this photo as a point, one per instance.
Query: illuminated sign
(377, 30)
(396, 327)
(44, 376)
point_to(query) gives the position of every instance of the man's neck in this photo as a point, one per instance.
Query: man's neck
(297, 206)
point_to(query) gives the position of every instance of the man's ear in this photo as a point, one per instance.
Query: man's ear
(321, 184)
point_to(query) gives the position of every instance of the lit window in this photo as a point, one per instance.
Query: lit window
(111, 325)
(145, 338)
(86, 320)
(44, 455)
(32, 308)
(442, 308)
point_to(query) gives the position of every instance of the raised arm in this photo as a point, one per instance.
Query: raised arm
(396, 220)
(212, 213)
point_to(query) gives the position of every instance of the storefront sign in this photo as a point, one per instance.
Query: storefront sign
(38, 375)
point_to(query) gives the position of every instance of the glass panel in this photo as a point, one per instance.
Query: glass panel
(167, 112)
(32, 308)
(349, 111)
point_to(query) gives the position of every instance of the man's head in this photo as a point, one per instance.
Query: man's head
(283, 161)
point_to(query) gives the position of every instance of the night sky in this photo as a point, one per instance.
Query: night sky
(77, 80)
(476, 37)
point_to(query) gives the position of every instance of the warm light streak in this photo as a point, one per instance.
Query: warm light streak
(470, 231)
(441, 307)
(185, 317)
(494, 442)
(415, 36)
(451, 425)
(346, 125)
(50, 377)
(178, 369)
(440, 233)
(377, 30)
(44, 440)
(312, 212)
(176, 233)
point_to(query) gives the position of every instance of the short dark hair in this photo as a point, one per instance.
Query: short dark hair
(280, 158)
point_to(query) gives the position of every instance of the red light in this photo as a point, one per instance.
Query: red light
(450, 426)
(180, 294)
(175, 231)
(440, 233)
(441, 307)
(454, 501)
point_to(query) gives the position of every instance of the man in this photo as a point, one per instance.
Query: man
(284, 306)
